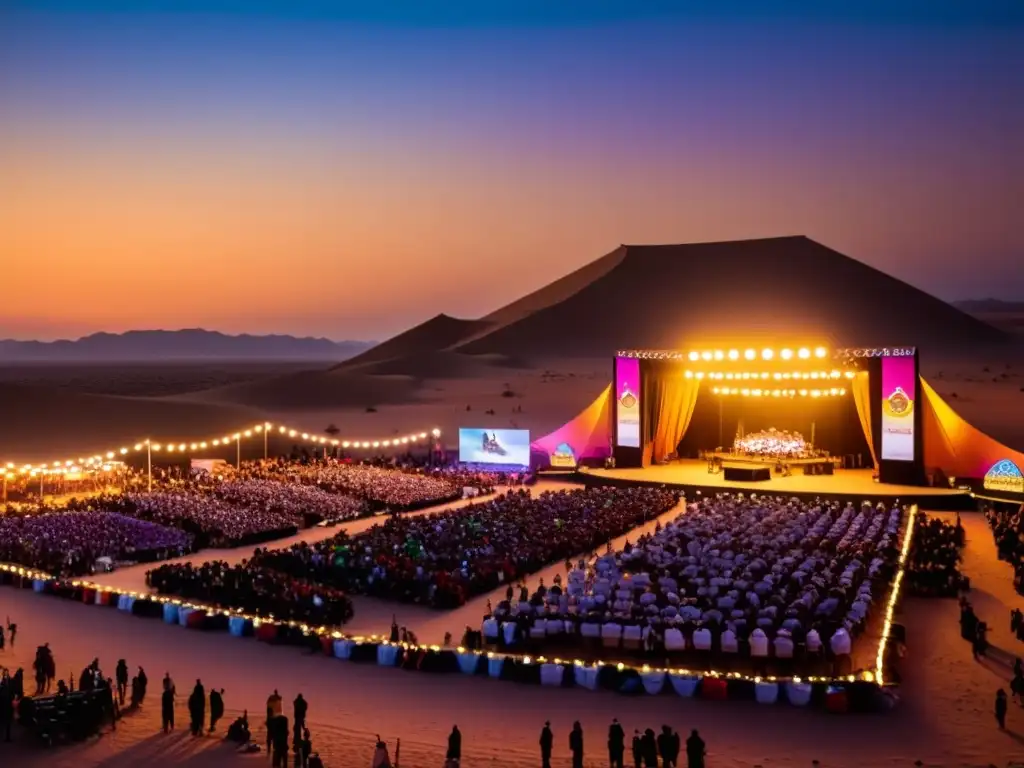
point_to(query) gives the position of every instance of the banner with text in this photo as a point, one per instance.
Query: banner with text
(899, 392)
(627, 401)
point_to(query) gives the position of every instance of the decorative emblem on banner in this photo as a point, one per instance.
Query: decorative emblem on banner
(564, 456)
(627, 399)
(1005, 476)
(899, 405)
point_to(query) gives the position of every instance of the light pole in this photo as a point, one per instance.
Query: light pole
(238, 450)
(266, 431)
(149, 466)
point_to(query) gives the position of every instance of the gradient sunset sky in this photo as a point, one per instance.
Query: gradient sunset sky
(349, 169)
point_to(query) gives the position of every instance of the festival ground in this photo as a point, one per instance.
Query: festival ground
(944, 718)
(846, 484)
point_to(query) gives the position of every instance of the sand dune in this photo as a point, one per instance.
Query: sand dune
(42, 424)
(437, 333)
(675, 296)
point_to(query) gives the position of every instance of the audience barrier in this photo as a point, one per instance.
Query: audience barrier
(833, 695)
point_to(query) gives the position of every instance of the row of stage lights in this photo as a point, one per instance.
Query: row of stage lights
(764, 376)
(803, 353)
(104, 461)
(834, 392)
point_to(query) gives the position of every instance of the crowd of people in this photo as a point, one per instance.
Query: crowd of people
(72, 543)
(771, 443)
(933, 567)
(1007, 526)
(396, 488)
(440, 560)
(254, 590)
(747, 576)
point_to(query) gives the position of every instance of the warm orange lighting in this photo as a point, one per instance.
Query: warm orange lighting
(820, 352)
(705, 355)
(804, 353)
(719, 355)
(767, 354)
(688, 374)
(734, 354)
(786, 354)
(750, 354)
(694, 357)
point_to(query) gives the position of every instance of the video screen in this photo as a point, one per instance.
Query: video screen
(627, 401)
(510, 447)
(899, 392)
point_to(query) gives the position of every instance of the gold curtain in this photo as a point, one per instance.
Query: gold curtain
(862, 398)
(673, 401)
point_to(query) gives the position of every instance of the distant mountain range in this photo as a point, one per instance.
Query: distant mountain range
(183, 345)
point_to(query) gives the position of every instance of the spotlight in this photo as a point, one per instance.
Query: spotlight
(719, 355)
(804, 353)
(750, 354)
(688, 374)
(820, 352)
(734, 354)
(767, 354)
(786, 354)
(705, 355)
(694, 356)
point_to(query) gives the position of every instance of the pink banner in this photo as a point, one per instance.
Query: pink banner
(627, 401)
(899, 395)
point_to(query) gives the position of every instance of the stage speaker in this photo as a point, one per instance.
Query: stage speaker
(828, 468)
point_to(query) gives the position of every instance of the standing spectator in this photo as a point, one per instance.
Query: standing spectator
(121, 675)
(616, 744)
(167, 708)
(197, 708)
(576, 745)
(454, 745)
(695, 750)
(1001, 709)
(216, 707)
(547, 740)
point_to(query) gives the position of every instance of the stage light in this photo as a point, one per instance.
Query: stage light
(700, 375)
(814, 375)
(764, 375)
(820, 352)
(850, 374)
(705, 355)
(750, 354)
(804, 353)
(745, 392)
(170, 447)
(182, 447)
(842, 392)
(216, 443)
(138, 446)
(777, 376)
(834, 391)
(729, 376)
(248, 433)
(694, 356)
(835, 374)
(688, 374)
(815, 393)
(714, 390)
(767, 354)
(757, 393)
(775, 393)
(786, 354)
(734, 354)
(203, 445)
(803, 393)
(719, 354)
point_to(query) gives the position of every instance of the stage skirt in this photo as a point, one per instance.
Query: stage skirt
(766, 693)
(183, 614)
(586, 677)
(387, 655)
(798, 694)
(494, 666)
(343, 649)
(685, 685)
(653, 682)
(552, 674)
(468, 663)
(170, 613)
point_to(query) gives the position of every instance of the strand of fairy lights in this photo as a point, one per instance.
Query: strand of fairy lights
(11, 469)
(334, 634)
(894, 595)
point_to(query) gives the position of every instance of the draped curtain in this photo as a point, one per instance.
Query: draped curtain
(862, 398)
(669, 401)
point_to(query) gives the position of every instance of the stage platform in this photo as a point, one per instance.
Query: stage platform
(768, 461)
(692, 475)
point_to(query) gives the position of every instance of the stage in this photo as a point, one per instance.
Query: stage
(846, 484)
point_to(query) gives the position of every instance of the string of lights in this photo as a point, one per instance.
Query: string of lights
(834, 392)
(262, 431)
(709, 355)
(765, 375)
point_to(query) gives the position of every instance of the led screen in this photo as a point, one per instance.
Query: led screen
(899, 393)
(510, 447)
(627, 401)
